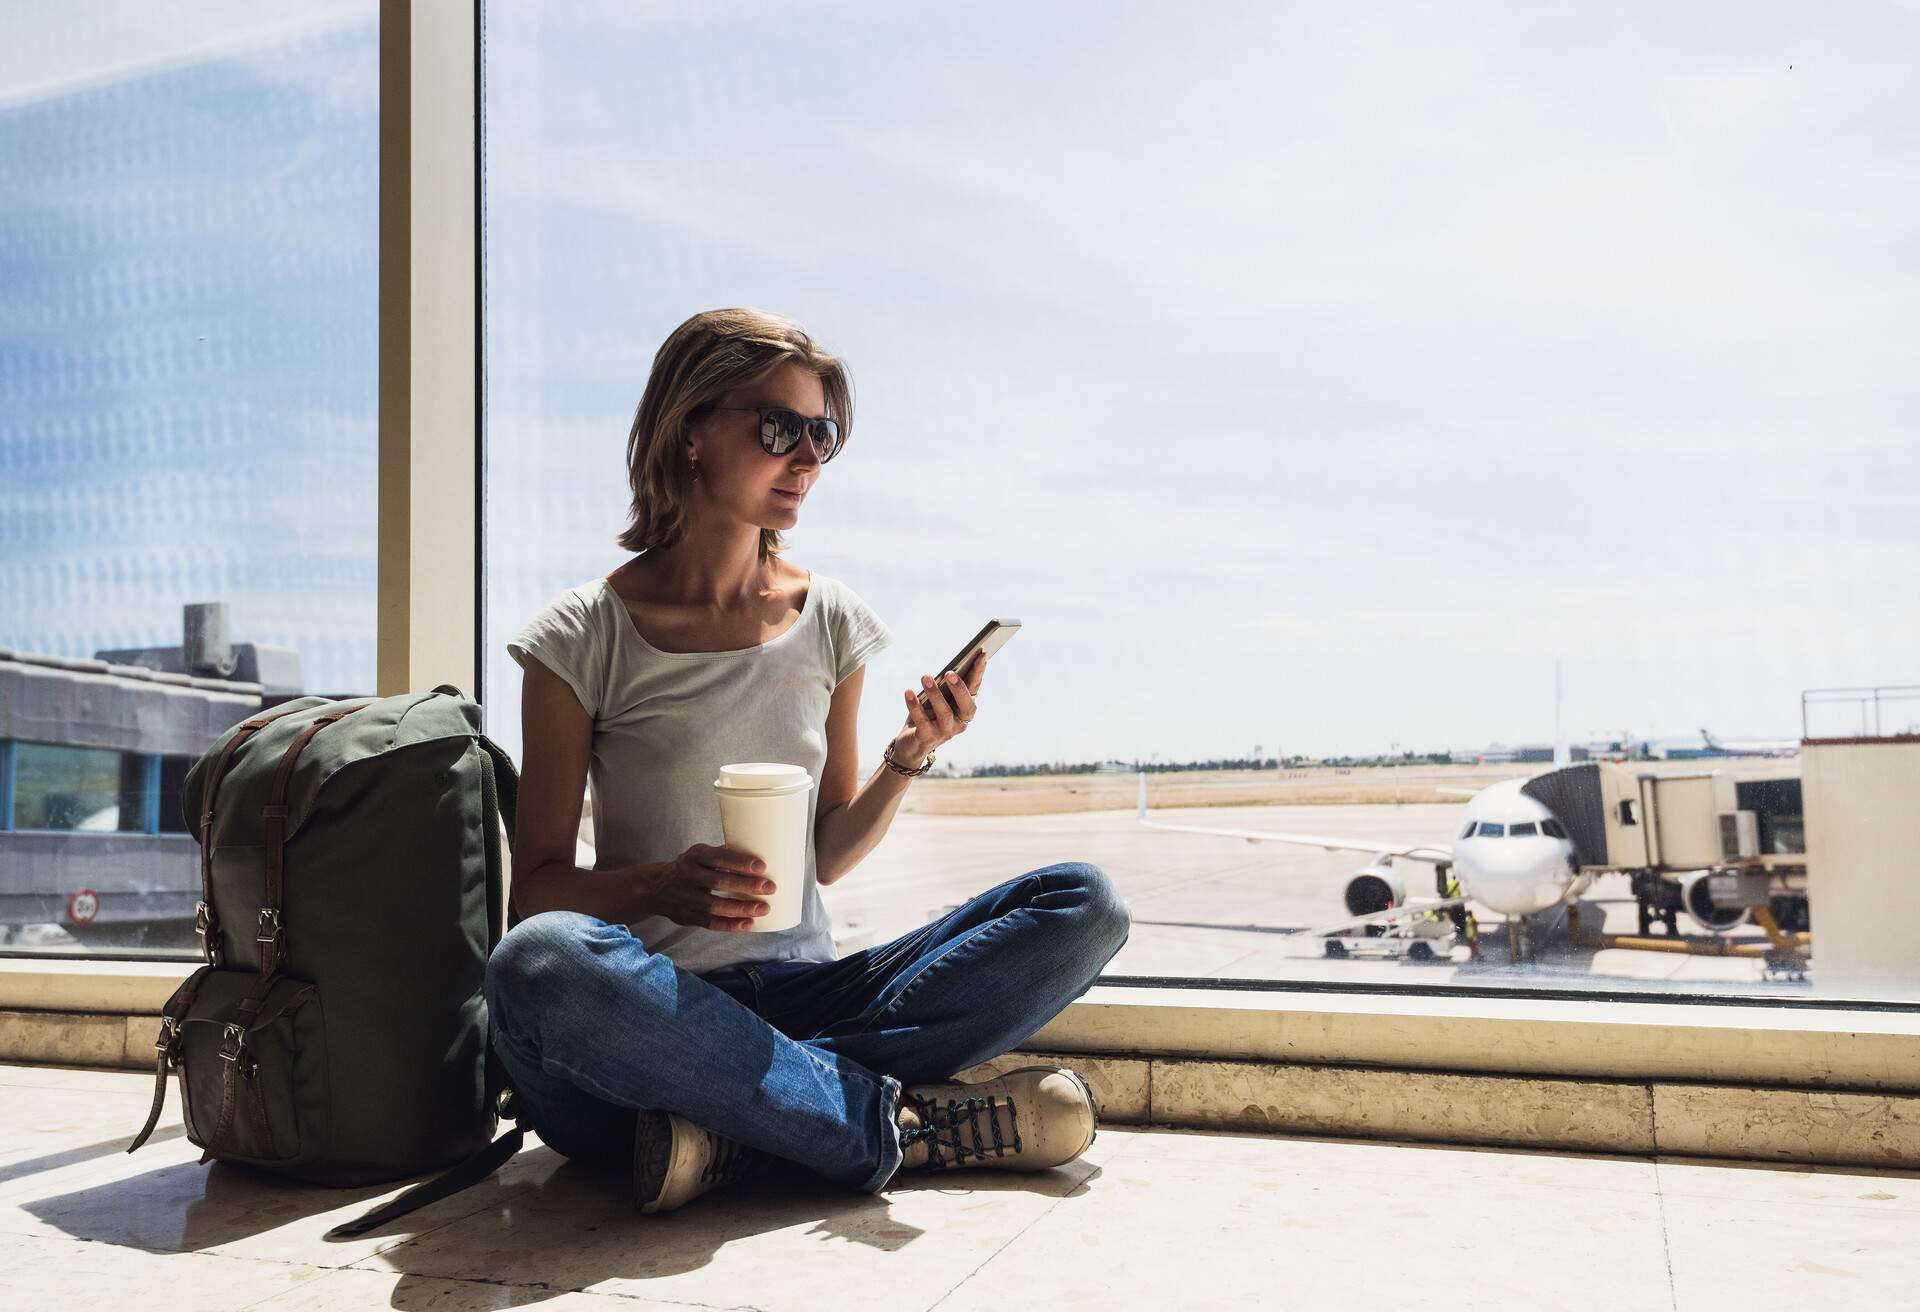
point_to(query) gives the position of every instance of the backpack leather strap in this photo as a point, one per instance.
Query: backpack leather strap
(233, 1051)
(272, 939)
(186, 1104)
(166, 1057)
(241, 1066)
(167, 1049)
(206, 924)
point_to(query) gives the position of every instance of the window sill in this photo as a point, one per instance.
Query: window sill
(127, 988)
(1588, 1039)
(1786, 1084)
(1795, 1084)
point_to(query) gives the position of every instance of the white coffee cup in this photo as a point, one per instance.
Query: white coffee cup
(763, 810)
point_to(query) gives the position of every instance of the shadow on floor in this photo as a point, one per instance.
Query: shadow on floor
(74, 1156)
(552, 1227)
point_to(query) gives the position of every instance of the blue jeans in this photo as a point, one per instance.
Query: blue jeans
(802, 1059)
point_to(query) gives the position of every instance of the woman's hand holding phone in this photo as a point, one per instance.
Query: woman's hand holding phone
(683, 889)
(953, 708)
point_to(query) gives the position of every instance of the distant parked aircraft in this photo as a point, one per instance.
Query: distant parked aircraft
(1680, 749)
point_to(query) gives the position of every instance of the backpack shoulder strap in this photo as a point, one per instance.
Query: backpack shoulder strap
(500, 788)
(470, 1172)
(498, 785)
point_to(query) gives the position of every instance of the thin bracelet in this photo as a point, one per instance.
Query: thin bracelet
(899, 769)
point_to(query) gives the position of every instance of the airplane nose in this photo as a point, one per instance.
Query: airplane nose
(1514, 881)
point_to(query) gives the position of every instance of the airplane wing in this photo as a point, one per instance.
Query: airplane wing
(1435, 853)
(1412, 851)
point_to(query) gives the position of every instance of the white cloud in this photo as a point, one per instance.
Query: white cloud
(1358, 360)
(55, 50)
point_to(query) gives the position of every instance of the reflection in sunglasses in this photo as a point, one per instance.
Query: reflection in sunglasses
(780, 429)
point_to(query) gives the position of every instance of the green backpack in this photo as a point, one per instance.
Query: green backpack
(351, 891)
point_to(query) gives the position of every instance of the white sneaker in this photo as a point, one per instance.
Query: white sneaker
(1029, 1119)
(675, 1161)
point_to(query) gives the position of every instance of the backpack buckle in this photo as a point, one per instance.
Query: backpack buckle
(167, 1045)
(233, 1048)
(270, 928)
(208, 929)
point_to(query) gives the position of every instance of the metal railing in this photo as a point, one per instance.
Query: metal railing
(1880, 710)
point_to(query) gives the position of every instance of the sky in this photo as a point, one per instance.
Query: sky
(188, 341)
(1304, 376)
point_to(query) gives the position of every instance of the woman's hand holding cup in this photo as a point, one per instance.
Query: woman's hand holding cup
(685, 889)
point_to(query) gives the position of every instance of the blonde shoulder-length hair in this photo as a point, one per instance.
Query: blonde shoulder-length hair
(706, 357)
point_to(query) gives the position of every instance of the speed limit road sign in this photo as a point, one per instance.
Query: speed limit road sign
(83, 906)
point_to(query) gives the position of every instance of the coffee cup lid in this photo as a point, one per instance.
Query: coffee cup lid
(761, 775)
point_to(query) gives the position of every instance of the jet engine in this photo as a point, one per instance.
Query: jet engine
(1374, 888)
(1698, 900)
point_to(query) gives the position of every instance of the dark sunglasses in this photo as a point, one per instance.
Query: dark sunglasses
(780, 430)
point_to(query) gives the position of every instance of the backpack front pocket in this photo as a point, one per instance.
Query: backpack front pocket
(255, 1093)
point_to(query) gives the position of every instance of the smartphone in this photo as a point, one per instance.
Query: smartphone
(993, 635)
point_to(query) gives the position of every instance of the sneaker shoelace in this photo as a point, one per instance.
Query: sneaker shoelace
(942, 1124)
(728, 1159)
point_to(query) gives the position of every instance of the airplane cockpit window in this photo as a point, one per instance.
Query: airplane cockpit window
(1491, 829)
(1525, 829)
(1552, 829)
(1467, 830)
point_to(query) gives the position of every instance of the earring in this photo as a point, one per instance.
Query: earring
(696, 467)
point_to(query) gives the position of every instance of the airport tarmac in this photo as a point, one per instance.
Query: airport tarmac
(1211, 907)
(1221, 907)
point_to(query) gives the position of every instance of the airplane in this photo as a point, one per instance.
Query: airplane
(1685, 749)
(1509, 854)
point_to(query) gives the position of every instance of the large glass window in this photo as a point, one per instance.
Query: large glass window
(1225, 373)
(188, 234)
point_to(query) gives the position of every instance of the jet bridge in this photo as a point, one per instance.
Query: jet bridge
(1715, 845)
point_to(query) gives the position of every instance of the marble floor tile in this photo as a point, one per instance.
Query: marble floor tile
(1147, 1218)
(1732, 1253)
(162, 1200)
(34, 1170)
(795, 1242)
(357, 1291)
(1779, 1182)
(43, 1124)
(45, 1273)
(1422, 1160)
(1158, 1231)
(89, 1079)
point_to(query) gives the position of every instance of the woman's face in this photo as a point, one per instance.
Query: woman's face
(737, 472)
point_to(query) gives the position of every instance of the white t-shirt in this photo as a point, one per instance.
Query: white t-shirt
(665, 722)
